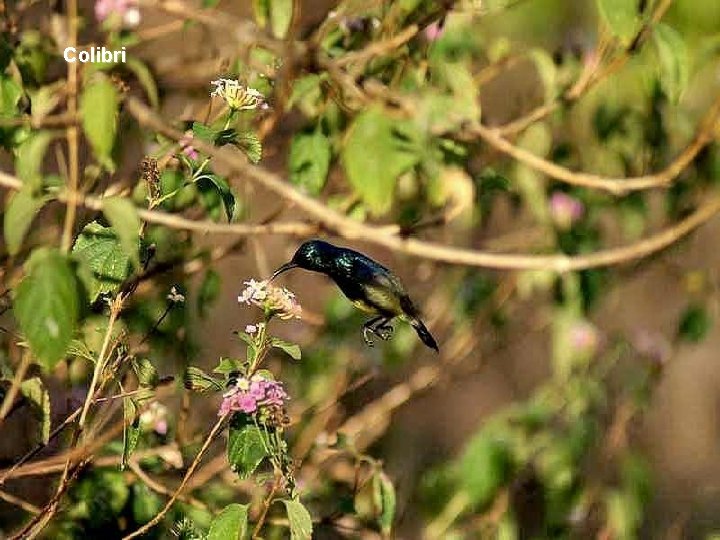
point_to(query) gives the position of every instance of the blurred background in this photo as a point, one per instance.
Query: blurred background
(561, 406)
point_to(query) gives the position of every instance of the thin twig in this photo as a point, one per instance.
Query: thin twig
(161, 514)
(15, 385)
(72, 132)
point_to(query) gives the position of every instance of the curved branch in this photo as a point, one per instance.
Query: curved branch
(383, 236)
(616, 186)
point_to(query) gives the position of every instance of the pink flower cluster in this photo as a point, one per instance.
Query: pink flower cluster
(126, 10)
(565, 209)
(273, 300)
(251, 395)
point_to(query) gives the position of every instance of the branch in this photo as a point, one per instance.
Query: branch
(154, 521)
(616, 186)
(352, 230)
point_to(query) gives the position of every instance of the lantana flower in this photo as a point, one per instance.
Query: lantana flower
(126, 11)
(565, 209)
(259, 396)
(187, 148)
(275, 301)
(237, 96)
(584, 337)
(155, 418)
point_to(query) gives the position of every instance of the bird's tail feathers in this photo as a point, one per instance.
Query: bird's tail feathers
(424, 334)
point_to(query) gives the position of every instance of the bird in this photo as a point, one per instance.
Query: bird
(369, 285)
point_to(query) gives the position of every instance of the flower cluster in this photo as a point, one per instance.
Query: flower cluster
(237, 96)
(187, 147)
(126, 11)
(584, 338)
(275, 301)
(257, 395)
(155, 418)
(565, 209)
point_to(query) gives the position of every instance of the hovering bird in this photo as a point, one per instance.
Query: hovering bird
(366, 283)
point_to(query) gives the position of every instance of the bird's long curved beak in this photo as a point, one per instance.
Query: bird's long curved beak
(284, 268)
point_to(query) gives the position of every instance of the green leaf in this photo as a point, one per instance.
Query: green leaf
(123, 216)
(484, 467)
(99, 111)
(145, 372)
(309, 161)
(145, 78)
(208, 292)
(46, 305)
(227, 366)
(10, 94)
(197, 380)
(108, 261)
(30, 155)
(230, 524)
(674, 61)
(291, 349)
(131, 429)
(695, 323)
(203, 132)
(281, 12)
(299, 518)
(261, 10)
(19, 214)
(145, 503)
(378, 150)
(246, 448)
(223, 189)
(546, 70)
(34, 391)
(621, 17)
(250, 144)
(385, 501)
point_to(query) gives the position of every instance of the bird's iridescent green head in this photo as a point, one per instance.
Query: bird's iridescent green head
(313, 255)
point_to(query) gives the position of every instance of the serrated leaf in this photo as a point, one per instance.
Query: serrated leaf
(99, 111)
(674, 61)
(246, 448)
(131, 429)
(378, 150)
(250, 144)
(19, 214)
(146, 373)
(291, 349)
(34, 391)
(281, 12)
(309, 161)
(46, 305)
(145, 78)
(203, 132)
(123, 217)
(385, 501)
(108, 261)
(230, 524)
(29, 157)
(223, 189)
(300, 520)
(621, 17)
(197, 380)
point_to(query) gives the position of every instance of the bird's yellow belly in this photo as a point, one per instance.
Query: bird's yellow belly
(364, 306)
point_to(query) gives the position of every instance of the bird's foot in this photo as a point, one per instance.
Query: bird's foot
(384, 331)
(366, 336)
